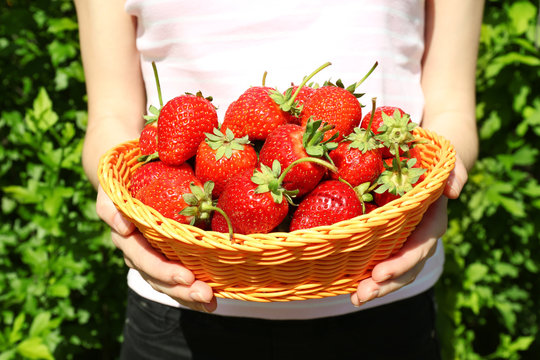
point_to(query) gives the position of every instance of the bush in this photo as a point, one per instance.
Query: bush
(488, 295)
(59, 273)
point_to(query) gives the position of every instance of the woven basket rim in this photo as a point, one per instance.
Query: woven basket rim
(274, 240)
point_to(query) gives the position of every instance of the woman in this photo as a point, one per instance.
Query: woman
(427, 59)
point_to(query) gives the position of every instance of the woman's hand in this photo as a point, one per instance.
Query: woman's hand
(163, 275)
(403, 267)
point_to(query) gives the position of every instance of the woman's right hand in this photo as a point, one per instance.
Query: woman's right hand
(162, 274)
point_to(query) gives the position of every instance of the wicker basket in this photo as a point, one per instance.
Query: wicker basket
(304, 264)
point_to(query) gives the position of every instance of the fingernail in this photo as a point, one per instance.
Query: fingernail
(371, 296)
(385, 277)
(121, 225)
(195, 296)
(207, 308)
(179, 279)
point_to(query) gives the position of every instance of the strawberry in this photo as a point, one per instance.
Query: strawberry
(384, 198)
(254, 114)
(336, 105)
(399, 178)
(148, 172)
(148, 139)
(182, 125)
(358, 157)
(261, 109)
(254, 202)
(369, 207)
(414, 152)
(415, 155)
(356, 166)
(330, 202)
(394, 132)
(222, 156)
(166, 194)
(402, 173)
(378, 118)
(289, 143)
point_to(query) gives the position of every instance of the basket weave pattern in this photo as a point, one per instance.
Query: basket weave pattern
(283, 266)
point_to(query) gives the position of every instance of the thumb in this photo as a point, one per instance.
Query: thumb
(456, 180)
(109, 213)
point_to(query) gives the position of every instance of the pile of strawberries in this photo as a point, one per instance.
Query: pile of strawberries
(278, 162)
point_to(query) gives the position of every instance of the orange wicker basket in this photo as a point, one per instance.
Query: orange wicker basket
(283, 266)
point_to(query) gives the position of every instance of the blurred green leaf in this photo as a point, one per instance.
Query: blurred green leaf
(521, 14)
(34, 348)
(40, 324)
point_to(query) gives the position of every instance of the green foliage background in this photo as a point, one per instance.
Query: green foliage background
(62, 284)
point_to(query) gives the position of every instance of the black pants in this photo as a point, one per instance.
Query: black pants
(401, 330)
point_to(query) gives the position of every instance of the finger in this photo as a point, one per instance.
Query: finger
(369, 290)
(197, 296)
(420, 245)
(415, 250)
(406, 270)
(141, 256)
(109, 213)
(456, 180)
(403, 267)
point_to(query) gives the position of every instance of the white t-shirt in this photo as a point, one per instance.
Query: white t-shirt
(223, 47)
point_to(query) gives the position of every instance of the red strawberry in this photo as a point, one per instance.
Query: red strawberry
(355, 166)
(369, 207)
(335, 105)
(182, 125)
(148, 139)
(416, 164)
(358, 157)
(261, 109)
(330, 202)
(377, 121)
(148, 172)
(254, 114)
(221, 157)
(393, 128)
(414, 152)
(254, 203)
(166, 195)
(384, 198)
(289, 143)
(399, 178)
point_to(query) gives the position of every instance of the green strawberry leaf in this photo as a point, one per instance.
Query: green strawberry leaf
(199, 201)
(396, 132)
(154, 115)
(225, 144)
(313, 136)
(269, 180)
(400, 177)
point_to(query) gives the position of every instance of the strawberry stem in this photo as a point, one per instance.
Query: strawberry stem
(208, 208)
(157, 84)
(367, 75)
(373, 108)
(304, 82)
(264, 78)
(306, 159)
(398, 159)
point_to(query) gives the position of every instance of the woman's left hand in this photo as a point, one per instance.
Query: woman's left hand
(403, 267)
